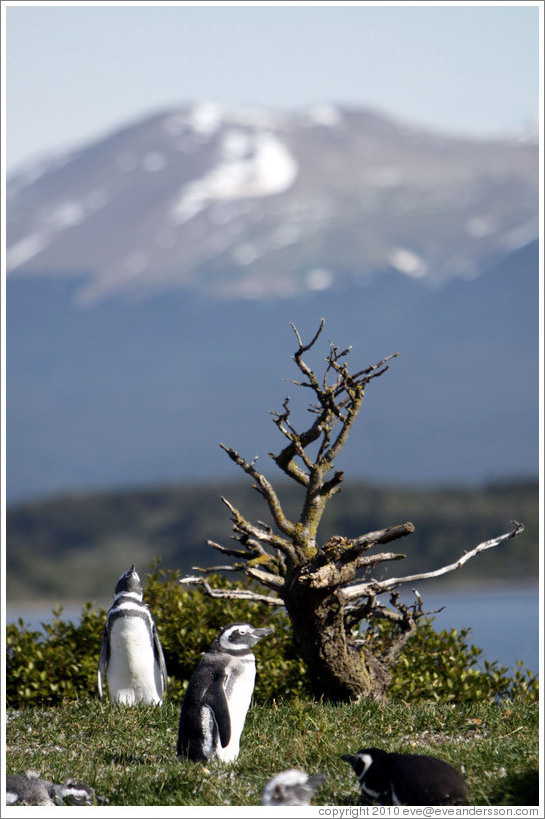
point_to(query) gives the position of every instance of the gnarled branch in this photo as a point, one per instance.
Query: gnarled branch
(247, 532)
(377, 587)
(331, 576)
(231, 594)
(265, 488)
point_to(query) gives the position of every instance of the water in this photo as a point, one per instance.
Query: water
(504, 623)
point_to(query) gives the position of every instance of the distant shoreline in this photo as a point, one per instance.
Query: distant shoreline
(469, 588)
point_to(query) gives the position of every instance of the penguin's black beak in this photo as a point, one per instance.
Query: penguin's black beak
(348, 758)
(259, 633)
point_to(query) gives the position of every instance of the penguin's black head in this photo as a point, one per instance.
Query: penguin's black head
(239, 638)
(292, 787)
(362, 760)
(129, 583)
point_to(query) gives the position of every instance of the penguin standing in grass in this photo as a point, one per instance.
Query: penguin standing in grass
(131, 655)
(218, 696)
(407, 779)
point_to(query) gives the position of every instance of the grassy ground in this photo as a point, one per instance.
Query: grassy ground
(128, 753)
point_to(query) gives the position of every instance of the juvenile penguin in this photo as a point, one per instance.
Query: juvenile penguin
(131, 655)
(218, 696)
(407, 779)
(76, 793)
(29, 789)
(292, 787)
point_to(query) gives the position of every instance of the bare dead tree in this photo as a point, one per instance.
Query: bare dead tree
(327, 590)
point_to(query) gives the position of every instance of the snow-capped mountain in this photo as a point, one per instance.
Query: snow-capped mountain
(252, 203)
(153, 276)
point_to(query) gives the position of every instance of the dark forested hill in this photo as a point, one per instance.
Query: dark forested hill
(74, 547)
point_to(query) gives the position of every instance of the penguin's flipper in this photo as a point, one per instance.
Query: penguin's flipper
(216, 700)
(160, 657)
(103, 660)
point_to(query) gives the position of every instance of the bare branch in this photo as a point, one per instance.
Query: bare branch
(303, 348)
(297, 445)
(254, 549)
(374, 371)
(272, 581)
(247, 530)
(231, 594)
(265, 489)
(378, 587)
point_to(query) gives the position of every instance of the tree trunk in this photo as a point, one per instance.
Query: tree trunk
(335, 667)
(327, 590)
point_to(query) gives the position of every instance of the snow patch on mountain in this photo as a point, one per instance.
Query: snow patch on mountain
(408, 262)
(205, 118)
(324, 114)
(250, 165)
(62, 215)
(480, 226)
(24, 250)
(319, 278)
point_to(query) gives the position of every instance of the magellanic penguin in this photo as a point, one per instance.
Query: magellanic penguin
(131, 655)
(407, 779)
(218, 696)
(292, 787)
(29, 789)
(77, 793)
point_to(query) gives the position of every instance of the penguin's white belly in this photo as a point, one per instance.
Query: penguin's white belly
(238, 690)
(133, 674)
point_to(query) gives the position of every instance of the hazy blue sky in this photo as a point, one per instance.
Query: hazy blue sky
(75, 72)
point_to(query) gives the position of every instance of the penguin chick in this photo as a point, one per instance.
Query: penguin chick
(407, 779)
(29, 789)
(218, 696)
(76, 793)
(131, 655)
(292, 787)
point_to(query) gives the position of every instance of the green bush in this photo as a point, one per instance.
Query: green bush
(444, 666)
(62, 662)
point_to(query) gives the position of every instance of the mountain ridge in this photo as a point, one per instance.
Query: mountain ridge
(251, 204)
(154, 275)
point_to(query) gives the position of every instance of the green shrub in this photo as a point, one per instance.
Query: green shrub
(444, 666)
(62, 661)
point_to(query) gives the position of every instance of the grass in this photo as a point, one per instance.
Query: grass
(128, 753)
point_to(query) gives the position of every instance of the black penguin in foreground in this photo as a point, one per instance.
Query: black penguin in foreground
(292, 787)
(407, 779)
(218, 696)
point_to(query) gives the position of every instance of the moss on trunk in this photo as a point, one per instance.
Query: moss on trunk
(336, 668)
